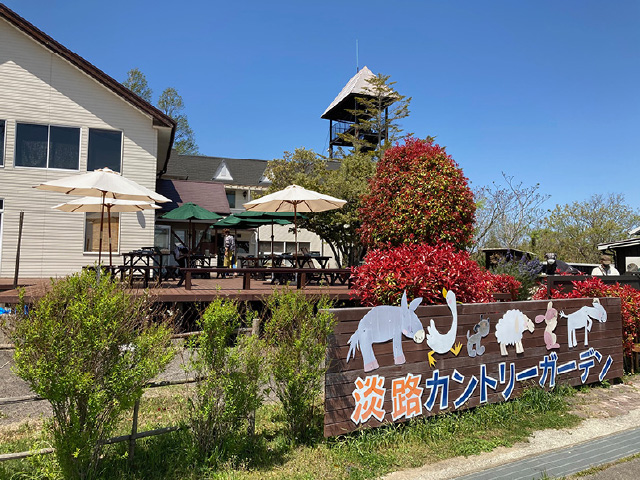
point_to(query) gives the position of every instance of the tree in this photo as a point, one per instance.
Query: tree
(296, 331)
(229, 379)
(346, 179)
(137, 83)
(378, 112)
(88, 347)
(507, 213)
(573, 231)
(418, 195)
(171, 104)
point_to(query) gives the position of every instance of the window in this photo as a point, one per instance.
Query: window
(92, 232)
(265, 247)
(282, 247)
(105, 149)
(2, 122)
(45, 146)
(290, 247)
(231, 198)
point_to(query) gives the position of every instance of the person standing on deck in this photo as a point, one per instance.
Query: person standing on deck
(229, 248)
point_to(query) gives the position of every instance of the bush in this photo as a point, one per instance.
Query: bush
(296, 332)
(418, 195)
(230, 379)
(594, 287)
(423, 271)
(524, 271)
(88, 348)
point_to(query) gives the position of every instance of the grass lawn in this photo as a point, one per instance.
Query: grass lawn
(271, 454)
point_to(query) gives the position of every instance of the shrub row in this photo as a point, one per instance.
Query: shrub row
(423, 271)
(594, 287)
(89, 348)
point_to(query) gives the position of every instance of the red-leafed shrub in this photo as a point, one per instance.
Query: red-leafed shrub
(423, 271)
(418, 195)
(594, 287)
(503, 283)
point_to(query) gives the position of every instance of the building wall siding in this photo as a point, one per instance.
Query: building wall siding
(36, 86)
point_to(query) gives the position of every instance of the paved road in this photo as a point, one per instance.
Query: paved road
(610, 431)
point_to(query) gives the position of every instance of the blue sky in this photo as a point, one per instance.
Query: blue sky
(545, 91)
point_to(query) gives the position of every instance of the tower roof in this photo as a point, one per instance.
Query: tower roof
(357, 86)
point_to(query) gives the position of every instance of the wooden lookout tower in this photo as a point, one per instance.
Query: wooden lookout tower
(345, 114)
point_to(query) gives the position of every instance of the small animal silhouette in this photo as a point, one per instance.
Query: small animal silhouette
(510, 328)
(583, 318)
(383, 323)
(480, 329)
(551, 319)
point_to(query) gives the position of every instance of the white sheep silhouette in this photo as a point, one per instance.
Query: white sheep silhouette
(510, 328)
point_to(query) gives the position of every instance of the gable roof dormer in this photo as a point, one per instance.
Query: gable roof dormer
(222, 173)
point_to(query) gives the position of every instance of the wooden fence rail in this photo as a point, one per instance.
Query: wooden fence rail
(131, 438)
(134, 435)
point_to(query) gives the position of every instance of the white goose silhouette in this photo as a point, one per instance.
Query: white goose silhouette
(443, 343)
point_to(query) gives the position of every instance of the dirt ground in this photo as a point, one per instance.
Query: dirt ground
(11, 386)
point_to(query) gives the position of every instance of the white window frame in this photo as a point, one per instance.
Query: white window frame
(105, 244)
(46, 167)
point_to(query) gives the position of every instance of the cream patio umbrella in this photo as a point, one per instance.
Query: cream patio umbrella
(103, 183)
(295, 199)
(96, 204)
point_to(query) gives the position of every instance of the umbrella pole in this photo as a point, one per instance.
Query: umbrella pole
(109, 228)
(295, 228)
(272, 242)
(104, 195)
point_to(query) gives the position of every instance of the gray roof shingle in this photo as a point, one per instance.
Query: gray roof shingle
(244, 171)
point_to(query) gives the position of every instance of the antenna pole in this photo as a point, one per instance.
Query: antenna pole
(357, 60)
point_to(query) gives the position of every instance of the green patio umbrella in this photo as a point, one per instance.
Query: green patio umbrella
(279, 218)
(189, 212)
(236, 221)
(244, 220)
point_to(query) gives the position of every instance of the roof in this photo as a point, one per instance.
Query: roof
(208, 195)
(621, 243)
(158, 117)
(357, 85)
(238, 171)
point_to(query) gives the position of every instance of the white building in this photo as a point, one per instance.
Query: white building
(242, 179)
(60, 115)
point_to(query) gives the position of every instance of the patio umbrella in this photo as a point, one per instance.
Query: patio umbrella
(190, 211)
(248, 220)
(281, 218)
(295, 199)
(96, 204)
(103, 183)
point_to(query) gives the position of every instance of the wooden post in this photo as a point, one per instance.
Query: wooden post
(15, 275)
(134, 431)
(251, 427)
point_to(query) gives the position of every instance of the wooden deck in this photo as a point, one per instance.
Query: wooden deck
(202, 290)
